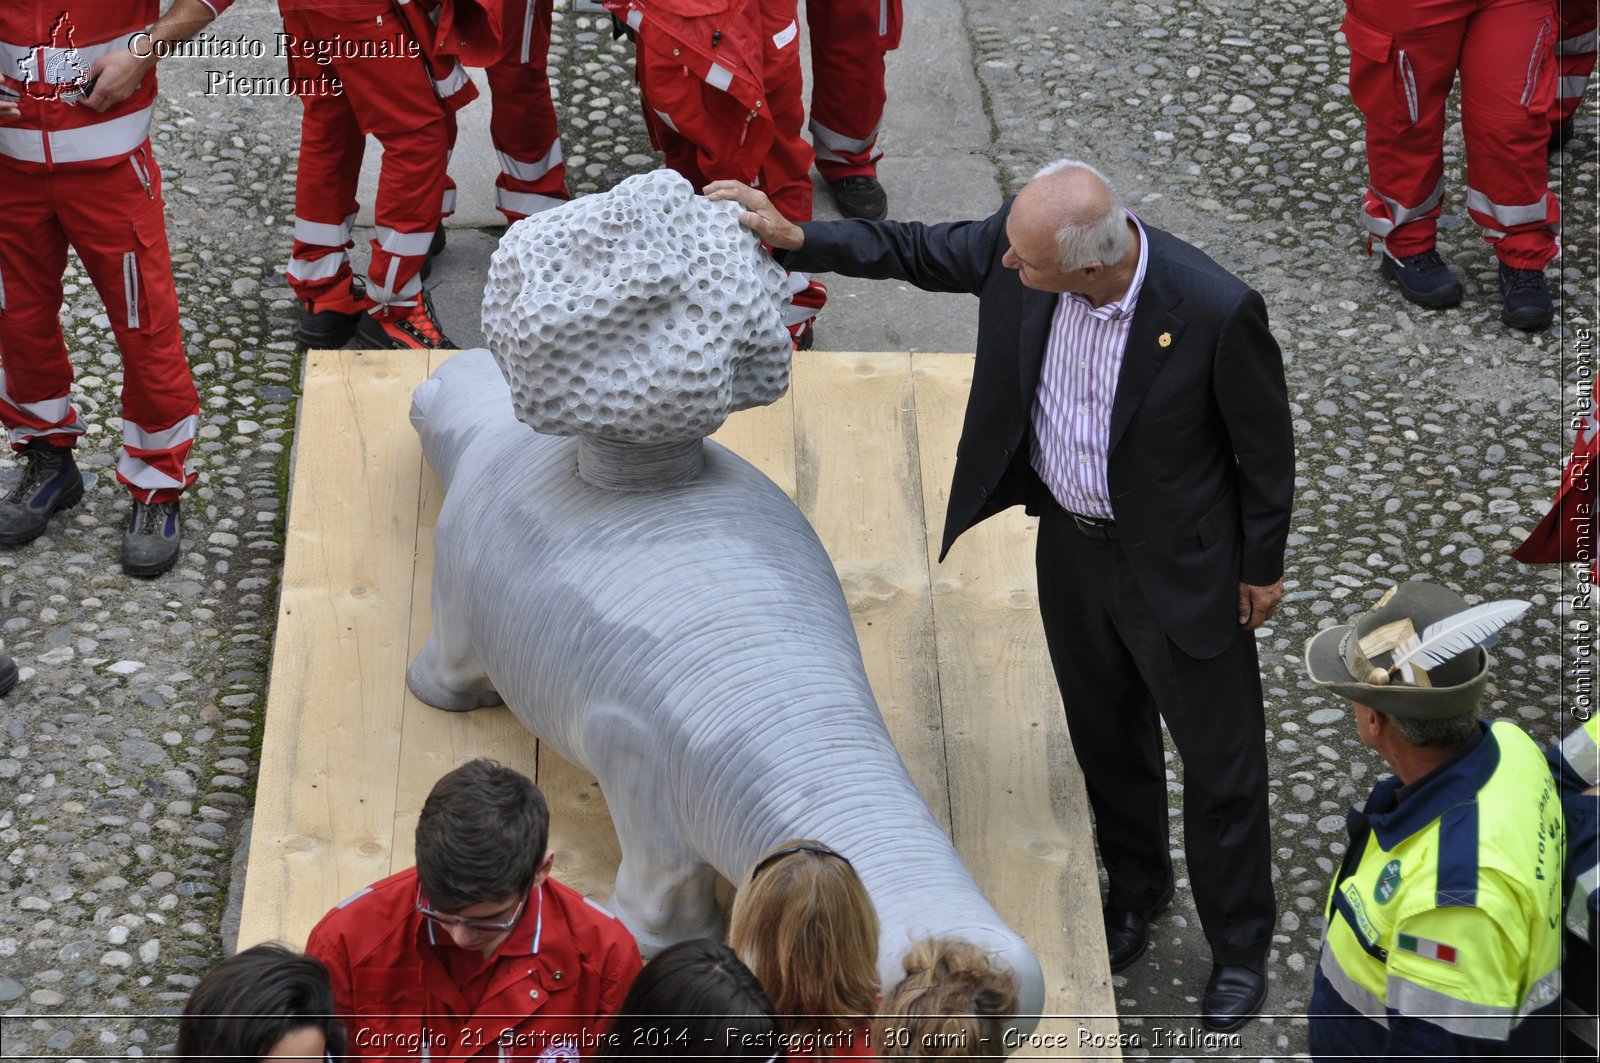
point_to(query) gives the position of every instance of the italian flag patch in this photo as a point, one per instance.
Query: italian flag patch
(1434, 950)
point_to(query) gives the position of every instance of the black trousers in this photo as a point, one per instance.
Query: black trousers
(1120, 676)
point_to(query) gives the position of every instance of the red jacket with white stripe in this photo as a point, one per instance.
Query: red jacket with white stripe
(555, 978)
(46, 48)
(449, 32)
(720, 42)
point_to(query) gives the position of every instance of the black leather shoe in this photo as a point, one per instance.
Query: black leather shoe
(8, 674)
(1234, 996)
(860, 196)
(1526, 298)
(1423, 278)
(1128, 932)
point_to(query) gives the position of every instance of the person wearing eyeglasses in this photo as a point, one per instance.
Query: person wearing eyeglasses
(805, 926)
(476, 952)
(264, 1003)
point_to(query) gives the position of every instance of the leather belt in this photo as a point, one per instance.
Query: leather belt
(1093, 527)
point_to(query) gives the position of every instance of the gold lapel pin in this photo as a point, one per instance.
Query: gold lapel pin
(1165, 339)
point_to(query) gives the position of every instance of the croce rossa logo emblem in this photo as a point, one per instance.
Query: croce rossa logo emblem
(53, 69)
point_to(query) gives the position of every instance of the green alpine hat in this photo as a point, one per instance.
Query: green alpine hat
(1418, 653)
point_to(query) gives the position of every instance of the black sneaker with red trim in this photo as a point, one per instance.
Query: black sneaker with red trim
(399, 327)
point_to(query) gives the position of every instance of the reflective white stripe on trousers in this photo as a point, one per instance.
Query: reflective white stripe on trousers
(1509, 213)
(531, 171)
(324, 234)
(165, 439)
(140, 474)
(46, 411)
(524, 202)
(1399, 213)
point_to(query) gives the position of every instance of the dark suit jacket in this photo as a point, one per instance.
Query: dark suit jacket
(1201, 462)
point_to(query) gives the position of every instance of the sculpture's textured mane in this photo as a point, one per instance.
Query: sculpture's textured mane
(646, 314)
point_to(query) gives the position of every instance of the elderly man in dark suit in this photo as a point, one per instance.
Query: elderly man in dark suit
(1127, 390)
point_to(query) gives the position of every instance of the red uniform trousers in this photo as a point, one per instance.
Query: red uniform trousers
(394, 100)
(114, 217)
(522, 124)
(1404, 56)
(1575, 49)
(849, 39)
(701, 129)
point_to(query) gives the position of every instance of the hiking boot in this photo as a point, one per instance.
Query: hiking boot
(150, 545)
(860, 196)
(1423, 278)
(433, 250)
(398, 327)
(331, 329)
(1527, 299)
(50, 481)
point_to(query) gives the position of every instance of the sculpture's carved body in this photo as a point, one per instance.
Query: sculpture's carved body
(649, 603)
(690, 647)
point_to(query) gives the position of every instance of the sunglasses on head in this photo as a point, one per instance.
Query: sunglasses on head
(779, 854)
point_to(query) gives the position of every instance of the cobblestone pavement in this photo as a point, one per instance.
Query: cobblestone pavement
(1428, 444)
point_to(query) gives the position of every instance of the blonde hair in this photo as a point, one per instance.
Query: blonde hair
(803, 923)
(953, 1001)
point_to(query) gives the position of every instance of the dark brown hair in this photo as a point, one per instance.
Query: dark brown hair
(695, 999)
(481, 836)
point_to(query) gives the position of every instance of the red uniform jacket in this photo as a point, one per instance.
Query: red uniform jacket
(720, 43)
(46, 49)
(567, 964)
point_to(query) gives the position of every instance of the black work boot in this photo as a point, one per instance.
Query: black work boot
(1423, 278)
(1527, 299)
(328, 330)
(435, 246)
(860, 196)
(50, 481)
(150, 545)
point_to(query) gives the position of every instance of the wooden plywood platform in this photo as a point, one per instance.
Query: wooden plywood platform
(864, 443)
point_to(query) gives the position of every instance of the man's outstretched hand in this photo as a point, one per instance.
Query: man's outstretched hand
(759, 215)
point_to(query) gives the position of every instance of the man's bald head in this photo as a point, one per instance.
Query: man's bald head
(1075, 203)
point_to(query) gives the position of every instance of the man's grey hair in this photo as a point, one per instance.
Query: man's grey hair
(1450, 731)
(1084, 241)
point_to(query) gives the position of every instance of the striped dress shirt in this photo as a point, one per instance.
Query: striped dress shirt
(1072, 406)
